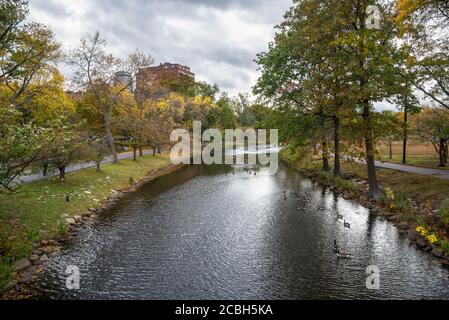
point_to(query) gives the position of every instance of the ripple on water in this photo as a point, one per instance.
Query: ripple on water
(204, 233)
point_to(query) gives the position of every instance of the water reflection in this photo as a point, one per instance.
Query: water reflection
(218, 232)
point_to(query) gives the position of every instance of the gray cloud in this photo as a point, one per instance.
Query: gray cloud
(218, 39)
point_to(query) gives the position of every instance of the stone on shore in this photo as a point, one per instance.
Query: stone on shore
(22, 265)
(10, 285)
(437, 252)
(421, 243)
(27, 277)
(70, 221)
(403, 226)
(412, 235)
(34, 258)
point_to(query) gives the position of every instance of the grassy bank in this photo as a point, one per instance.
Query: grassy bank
(414, 200)
(418, 154)
(38, 211)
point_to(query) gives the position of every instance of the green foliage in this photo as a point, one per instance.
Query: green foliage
(444, 244)
(36, 211)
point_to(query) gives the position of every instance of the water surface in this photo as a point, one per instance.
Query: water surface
(224, 233)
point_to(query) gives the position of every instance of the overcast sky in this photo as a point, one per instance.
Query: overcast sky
(218, 39)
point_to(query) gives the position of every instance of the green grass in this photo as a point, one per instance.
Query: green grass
(314, 167)
(424, 161)
(35, 212)
(422, 188)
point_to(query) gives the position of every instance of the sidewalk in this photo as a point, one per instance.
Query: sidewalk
(439, 173)
(78, 167)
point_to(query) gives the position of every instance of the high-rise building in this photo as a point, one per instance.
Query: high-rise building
(165, 72)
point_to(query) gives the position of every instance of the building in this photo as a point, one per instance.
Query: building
(165, 72)
(124, 78)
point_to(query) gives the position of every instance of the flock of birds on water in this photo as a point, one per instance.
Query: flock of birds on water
(304, 199)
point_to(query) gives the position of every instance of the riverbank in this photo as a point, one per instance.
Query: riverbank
(417, 205)
(42, 216)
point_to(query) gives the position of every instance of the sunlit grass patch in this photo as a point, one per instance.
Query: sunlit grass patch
(36, 211)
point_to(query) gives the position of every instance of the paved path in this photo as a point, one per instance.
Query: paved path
(78, 167)
(440, 173)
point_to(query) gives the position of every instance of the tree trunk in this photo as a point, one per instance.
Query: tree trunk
(98, 166)
(325, 156)
(391, 149)
(441, 152)
(337, 165)
(61, 173)
(140, 151)
(110, 136)
(45, 169)
(404, 147)
(154, 151)
(159, 150)
(374, 191)
(446, 151)
(135, 153)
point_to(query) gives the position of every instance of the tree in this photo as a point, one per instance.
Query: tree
(28, 54)
(130, 123)
(95, 74)
(408, 103)
(335, 75)
(159, 123)
(23, 144)
(206, 90)
(68, 147)
(424, 29)
(424, 9)
(373, 60)
(227, 118)
(97, 149)
(432, 126)
(389, 129)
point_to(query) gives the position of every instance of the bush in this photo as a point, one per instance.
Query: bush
(346, 185)
(444, 244)
(397, 201)
(444, 212)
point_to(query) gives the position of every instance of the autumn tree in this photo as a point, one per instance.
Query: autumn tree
(389, 129)
(95, 74)
(432, 126)
(67, 147)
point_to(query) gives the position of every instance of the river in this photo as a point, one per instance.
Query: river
(220, 232)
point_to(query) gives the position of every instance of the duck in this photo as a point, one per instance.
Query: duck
(347, 225)
(344, 255)
(320, 209)
(336, 247)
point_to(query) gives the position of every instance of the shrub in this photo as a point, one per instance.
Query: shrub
(444, 244)
(422, 231)
(398, 201)
(346, 185)
(432, 239)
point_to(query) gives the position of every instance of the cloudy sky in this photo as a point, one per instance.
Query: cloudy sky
(218, 39)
